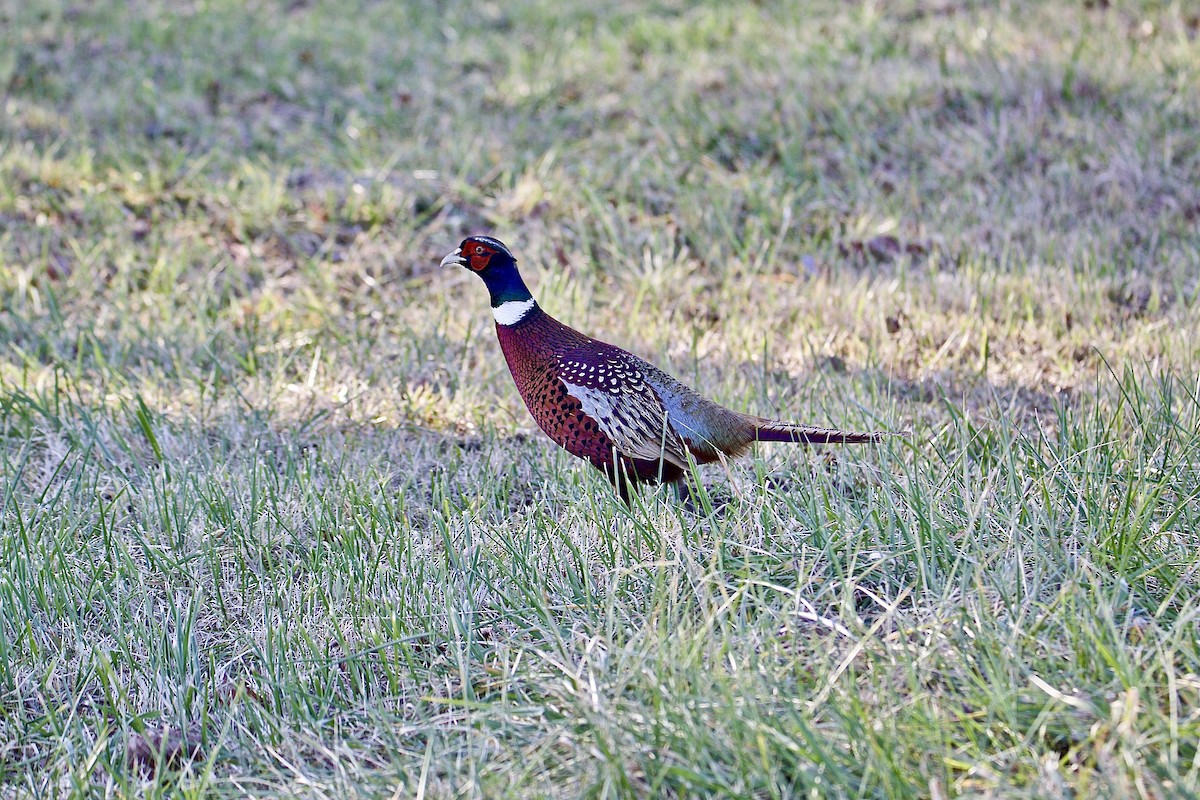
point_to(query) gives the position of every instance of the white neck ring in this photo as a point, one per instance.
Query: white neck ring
(512, 312)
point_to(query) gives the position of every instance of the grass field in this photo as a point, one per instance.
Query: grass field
(275, 521)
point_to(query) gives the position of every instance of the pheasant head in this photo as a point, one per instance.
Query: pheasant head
(492, 261)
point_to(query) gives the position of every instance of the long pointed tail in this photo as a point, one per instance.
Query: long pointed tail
(766, 430)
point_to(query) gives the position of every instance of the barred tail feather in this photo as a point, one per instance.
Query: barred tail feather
(769, 431)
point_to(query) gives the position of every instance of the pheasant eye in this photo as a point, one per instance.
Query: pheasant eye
(478, 249)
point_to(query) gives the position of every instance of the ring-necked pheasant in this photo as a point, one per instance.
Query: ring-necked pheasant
(629, 419)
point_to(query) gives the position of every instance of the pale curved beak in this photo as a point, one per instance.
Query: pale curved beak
(454, 259)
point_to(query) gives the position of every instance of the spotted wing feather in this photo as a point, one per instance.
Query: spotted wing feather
(610, 387)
